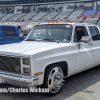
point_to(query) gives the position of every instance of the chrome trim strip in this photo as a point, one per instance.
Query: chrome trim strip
(14, 74)
(28, 82)
(14, 56)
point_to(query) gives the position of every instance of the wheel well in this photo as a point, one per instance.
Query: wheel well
(63, 64)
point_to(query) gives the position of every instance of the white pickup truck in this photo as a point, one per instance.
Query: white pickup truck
(50, 53)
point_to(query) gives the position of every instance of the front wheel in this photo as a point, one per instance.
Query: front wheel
(53, 79)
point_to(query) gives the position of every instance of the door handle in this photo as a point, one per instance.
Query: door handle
(16, 38)
(1, 38)
(90, 43)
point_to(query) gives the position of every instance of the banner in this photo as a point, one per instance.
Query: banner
(57, 7)
(98, 4)
(26, 9)
(10, 9)
(18, 9)
(68, 7)
(89, 5)
(53, 8)
(3, 10)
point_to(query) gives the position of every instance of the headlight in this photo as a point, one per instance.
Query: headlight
(26, 66)
(26, 71)
(26, 61)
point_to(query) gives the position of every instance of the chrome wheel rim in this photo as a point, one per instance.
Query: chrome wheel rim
(55, 80)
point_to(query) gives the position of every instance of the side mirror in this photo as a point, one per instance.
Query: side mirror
(85, 39)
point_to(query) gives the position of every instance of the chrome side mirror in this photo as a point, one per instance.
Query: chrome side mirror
(85, 39)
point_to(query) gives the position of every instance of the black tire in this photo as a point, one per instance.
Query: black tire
(46, 75)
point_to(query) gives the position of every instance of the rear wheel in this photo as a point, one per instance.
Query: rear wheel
(53, 79)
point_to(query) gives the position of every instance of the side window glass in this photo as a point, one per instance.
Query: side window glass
(79, 32)
(9, 31)
(94, 33)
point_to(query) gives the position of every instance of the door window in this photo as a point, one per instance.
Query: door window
(94, 33)
(80, 31)
(9, 31)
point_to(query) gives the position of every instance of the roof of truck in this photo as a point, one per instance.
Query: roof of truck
(65, 23)
(7, 25)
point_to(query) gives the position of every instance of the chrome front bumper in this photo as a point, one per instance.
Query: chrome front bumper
(19, 81)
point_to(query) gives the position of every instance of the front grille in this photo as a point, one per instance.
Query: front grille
(10, 64)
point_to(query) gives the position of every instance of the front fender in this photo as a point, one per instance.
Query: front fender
(41, 64)
(41, 60)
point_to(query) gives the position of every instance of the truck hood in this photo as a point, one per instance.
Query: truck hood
(26, 48)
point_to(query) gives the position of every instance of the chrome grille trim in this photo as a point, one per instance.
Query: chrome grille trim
(10, 64)
(15, 56)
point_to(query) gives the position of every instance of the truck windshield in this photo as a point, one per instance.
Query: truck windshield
(50, 32)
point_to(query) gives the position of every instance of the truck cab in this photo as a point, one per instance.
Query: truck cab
(9, 34)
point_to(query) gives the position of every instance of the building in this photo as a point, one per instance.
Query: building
(6, 2)
(26, 6)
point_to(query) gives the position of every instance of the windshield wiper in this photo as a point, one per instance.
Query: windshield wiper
(31, 40)
(49, 39)
(52, 40)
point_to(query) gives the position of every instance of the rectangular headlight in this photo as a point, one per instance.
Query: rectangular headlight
(26, 71)
(26, 61)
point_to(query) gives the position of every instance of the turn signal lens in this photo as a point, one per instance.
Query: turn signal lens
(71, 22)
(26, 71)
(36, 74)
(38, 23)
(53, 22)
(57, 21)
(48, 22)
